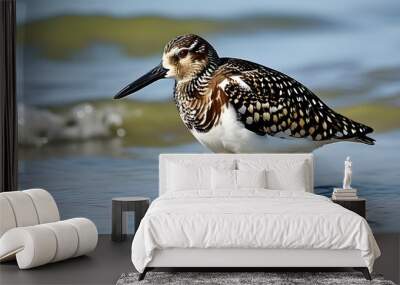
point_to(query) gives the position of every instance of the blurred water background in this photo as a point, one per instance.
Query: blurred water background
(85, 148)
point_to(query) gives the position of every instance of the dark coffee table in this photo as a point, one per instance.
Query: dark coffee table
(139, 205)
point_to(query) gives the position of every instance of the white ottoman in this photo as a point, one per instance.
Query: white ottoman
(31, 232)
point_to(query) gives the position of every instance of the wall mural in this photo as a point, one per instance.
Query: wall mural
(85, 147)
(237, 106)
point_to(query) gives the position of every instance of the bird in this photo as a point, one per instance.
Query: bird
(233, 105)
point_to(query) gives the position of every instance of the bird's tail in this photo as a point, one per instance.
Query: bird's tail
(354, 131)
(361, 136)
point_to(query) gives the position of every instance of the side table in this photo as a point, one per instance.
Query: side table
(139, 205)
(357, 205)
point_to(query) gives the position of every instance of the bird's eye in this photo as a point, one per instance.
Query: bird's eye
(183, 53)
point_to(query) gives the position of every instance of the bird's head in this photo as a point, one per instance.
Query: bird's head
(186, 56)
(183, 59)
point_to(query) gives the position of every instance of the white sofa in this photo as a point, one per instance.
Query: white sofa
(31, 231)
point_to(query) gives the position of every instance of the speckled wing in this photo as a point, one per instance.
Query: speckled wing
(270, 102)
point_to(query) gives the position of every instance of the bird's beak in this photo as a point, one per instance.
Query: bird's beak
(155, 74)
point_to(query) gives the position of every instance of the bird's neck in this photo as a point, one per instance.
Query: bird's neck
(197, 86)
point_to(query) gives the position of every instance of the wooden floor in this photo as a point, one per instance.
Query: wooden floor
(111, 259)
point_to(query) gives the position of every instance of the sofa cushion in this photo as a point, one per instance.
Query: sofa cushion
(23, 208)
(45, 206)
(26, 208)
(7, 220)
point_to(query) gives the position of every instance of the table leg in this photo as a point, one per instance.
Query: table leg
(117, 220)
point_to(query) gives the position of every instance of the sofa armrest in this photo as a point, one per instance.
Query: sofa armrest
(32, 246)
(40, 244)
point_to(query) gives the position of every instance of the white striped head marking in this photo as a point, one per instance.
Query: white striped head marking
(186, 56)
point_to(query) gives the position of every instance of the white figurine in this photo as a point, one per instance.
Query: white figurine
(347, 174)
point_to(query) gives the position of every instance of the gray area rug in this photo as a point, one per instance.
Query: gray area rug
(243, 278)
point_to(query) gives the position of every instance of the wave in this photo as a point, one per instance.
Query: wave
(135, 123)
(37, 127)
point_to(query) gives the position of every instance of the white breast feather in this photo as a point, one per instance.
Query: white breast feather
(231, 136)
